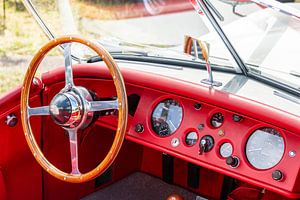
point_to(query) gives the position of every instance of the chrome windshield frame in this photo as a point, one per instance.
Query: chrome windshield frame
(32, 10)
(30, 7)
(202, 4)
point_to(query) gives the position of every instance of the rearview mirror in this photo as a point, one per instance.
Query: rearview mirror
(192, 47)
(200, 50)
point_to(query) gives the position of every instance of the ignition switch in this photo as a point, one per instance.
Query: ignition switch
(206, 144)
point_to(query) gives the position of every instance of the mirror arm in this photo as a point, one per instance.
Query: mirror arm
(201, 5)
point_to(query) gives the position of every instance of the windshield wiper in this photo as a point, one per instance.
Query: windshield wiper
(295, 73)
(118, 53)
(134, 53)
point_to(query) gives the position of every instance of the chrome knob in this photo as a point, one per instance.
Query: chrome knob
(11, 120)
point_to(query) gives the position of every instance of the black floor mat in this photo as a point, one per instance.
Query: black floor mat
(140, 186)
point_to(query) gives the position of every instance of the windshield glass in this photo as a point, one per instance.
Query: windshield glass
(266, 39)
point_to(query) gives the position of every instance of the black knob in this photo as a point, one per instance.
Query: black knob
(139, 128)
(206, 144)
(236, 118)
(200, 127)
(232, 161)
(277, 175)
(197, 106)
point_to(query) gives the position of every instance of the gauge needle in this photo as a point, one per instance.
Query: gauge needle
(165, 108)
(258, 149)
(171, 123)
(227, 148)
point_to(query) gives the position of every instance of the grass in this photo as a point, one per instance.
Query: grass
(22, 37)
(9, 82)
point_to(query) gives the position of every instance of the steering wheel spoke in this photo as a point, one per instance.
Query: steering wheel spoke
(68, 66)
(103, 105)
(74, 151)
(37, 111)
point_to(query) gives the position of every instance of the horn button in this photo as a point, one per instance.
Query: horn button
(66, 109)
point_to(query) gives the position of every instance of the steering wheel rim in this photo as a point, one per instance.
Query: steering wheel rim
(27, 112)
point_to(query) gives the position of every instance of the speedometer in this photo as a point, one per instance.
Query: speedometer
(265, 148)
(166, 117)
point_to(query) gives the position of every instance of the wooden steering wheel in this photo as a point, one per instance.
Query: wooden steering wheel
(72, 108)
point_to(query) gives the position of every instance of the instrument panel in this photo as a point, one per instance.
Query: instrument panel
(264, 148)
(228, 142)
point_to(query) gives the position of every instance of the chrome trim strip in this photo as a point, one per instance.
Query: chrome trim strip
(235, 84)
(287, 96)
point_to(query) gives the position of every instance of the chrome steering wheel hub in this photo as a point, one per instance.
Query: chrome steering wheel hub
(68, 108)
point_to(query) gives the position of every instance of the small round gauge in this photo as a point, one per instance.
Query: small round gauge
(226, 150)
(265, 148)
(191, 138)
(166, 117)
(217, 120)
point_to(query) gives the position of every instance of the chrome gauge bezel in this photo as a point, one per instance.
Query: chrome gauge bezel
(166, 121)
(265, 148)
(214, 120)
(225, 145)
(187, 139)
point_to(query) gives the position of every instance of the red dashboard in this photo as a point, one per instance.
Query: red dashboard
(199, 104)
(235, 133)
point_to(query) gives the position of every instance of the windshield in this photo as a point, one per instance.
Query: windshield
(267, 40)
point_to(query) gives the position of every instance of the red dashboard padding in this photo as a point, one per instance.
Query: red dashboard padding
(2, 186)
(245, 193)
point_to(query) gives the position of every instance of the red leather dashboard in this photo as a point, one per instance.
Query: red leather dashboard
(153, 88)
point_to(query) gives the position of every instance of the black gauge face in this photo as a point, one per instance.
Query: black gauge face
(166, 117)
(264, 148)
(217, 120)
(191, 138)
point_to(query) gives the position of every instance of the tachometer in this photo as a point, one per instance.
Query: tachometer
(166, 117)
(265, 148)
